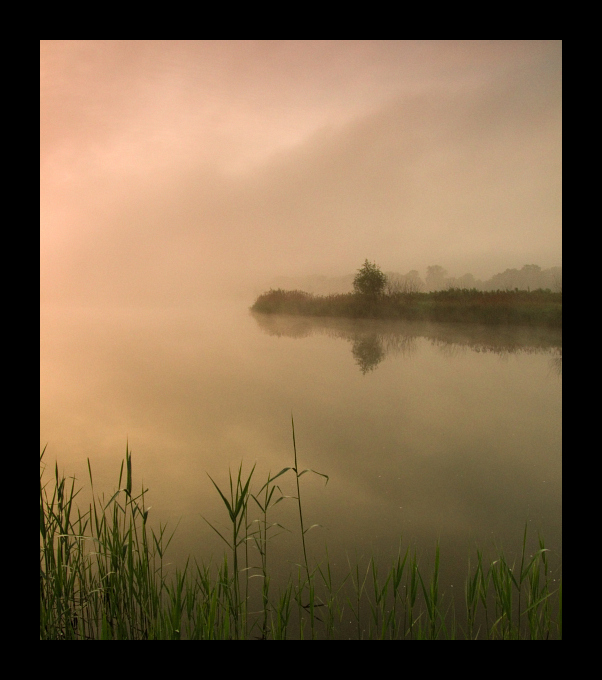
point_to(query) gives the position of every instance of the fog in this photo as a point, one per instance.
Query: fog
(177, 170)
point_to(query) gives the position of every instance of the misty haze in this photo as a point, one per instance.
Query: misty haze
(182, 180)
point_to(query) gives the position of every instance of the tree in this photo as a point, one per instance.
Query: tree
(369, 280)
(531, 276)
(404, 284)
(435, 277)
(556, 273)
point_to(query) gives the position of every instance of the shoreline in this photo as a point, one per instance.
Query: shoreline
(517, 307)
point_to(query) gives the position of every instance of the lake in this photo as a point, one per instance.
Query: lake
(430, 432)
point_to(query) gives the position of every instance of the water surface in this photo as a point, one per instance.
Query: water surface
(431, 431)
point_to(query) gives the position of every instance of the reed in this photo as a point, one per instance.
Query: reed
(103, 576)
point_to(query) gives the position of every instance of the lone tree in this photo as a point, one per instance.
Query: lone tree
(369, 280)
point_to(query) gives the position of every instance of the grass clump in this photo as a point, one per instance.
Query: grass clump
(103, 577)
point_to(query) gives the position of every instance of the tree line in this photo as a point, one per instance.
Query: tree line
(529, 277)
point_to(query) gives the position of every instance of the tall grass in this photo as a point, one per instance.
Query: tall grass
(103, 576)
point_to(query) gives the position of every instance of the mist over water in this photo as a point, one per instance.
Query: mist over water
(454, 433)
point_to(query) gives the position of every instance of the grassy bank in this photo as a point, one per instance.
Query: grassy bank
(103, 576)
(521, 307)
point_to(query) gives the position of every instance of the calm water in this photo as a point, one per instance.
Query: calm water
(430, 431)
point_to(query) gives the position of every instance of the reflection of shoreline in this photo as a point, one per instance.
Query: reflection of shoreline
(373, 339)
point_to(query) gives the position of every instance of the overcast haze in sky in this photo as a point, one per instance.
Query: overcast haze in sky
(176, 169)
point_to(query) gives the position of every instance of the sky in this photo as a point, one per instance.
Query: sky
(172, 170)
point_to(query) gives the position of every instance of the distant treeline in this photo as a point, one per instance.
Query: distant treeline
(535, 307)
(529, 278)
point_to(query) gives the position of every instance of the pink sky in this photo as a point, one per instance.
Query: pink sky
(171, 169)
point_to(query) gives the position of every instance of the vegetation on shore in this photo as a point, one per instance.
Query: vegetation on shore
(103, 576)
(520, 307)
(373, 298)
(529, 277)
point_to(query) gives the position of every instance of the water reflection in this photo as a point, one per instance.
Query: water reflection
(556, 364)
(422, 430)
(373, 340)
(368, 352)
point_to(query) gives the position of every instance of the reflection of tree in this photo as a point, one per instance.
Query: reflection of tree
(289, 326)
(556, 364)
(368, 352)
(373, 340)
(450, 350)
(398, 343)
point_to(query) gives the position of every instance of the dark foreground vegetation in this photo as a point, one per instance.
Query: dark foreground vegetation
(103, 576)
(521, 307)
